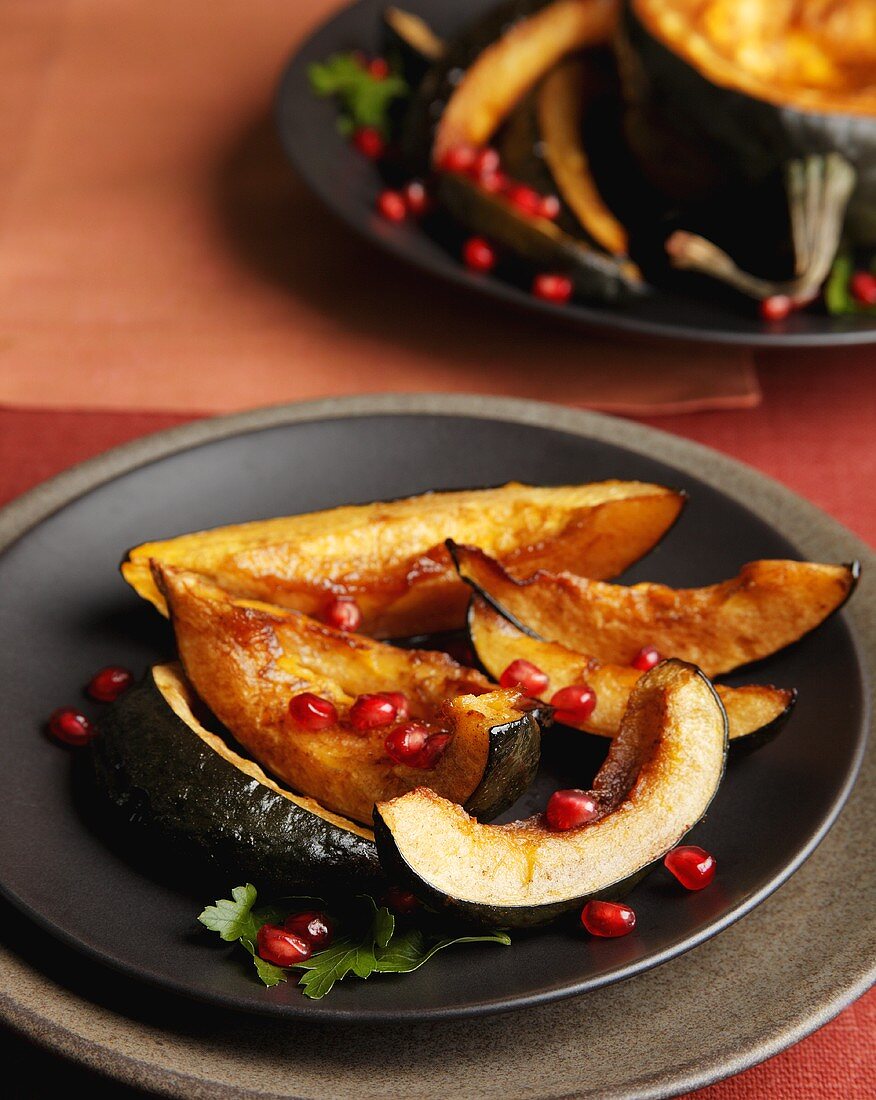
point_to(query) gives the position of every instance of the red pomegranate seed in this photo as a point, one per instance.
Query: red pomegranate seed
(282, 948)
(342, 613)
(400, 901)
(312, 711)
(525, 675)
(378, 67)
(369, 141)
(406, 742)
(400, 701)
(486, 162)
(549, 207)
(693, 867)
(574, 704)
(647, 657)
(552, 288)
(370, 712)
(391, 205)
(70, 726)
(569, 809)
(479, 255)
(524, 198)
(776, 308)
(312, 927)
(607, 918)
(863, 287)
(432, 751)
(416, 198)
(108, 684)
(458, 158)
(494, 183)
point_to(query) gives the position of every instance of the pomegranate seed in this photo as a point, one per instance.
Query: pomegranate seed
(524, 198)
(71, 726)
(282, 948)
(549, 207)
(776, 308)
(569, 809)
(608, 918)
(391, 205)
(525, 675)
(378, 67)
(400, 701)
(552, 288)
(432, 751)
(108, 684)
(693, 867)
(494, 183)
(574, 704)
(370, 712)
(647, 657)
(400, 901)
(342, 613)
(314, 928)
(863, 287)
(369, 141)
(312, 711)
(486, 163)
(458, 158)
(406, 742)
(479, 255)
(416, 198)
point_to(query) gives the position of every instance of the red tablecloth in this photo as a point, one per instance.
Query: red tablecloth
(815, 432)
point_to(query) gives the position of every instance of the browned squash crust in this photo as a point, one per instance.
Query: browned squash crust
(246, 660)
(767, 606)
(391, 556)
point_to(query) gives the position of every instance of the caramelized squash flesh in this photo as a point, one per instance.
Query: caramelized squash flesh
(246, 660)
(391, 556)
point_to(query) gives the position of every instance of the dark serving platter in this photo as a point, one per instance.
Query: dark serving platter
(348, 184)
(67, 612)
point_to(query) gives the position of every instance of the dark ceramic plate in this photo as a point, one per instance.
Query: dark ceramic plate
(67, 612)
(348, 185)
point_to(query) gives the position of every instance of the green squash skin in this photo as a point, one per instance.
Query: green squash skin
(691, 137)
(163, 779)
(399, 871)
(439, 83)
(512, 761)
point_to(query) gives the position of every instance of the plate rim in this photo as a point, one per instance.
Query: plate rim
(595, 318)
(22, 514)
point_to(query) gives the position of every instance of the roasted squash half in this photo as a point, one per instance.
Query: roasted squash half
(767, 606)
(247, 660)
(391, 556)
(173, 778)
(754, 712)
(661, 773)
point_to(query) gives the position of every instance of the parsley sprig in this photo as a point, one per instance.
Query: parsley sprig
(364, 99)
(838, 297)
(372, 945)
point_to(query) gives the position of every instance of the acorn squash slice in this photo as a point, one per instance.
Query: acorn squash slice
(174, 779)
(660, 774)
(754, 713)
(391, 556)
(247, 660)
(767, 606)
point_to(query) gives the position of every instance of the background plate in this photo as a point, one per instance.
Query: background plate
(706, 990)
(348, 184)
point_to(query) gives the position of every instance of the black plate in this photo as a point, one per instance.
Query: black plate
(67, 612)
(348, 184)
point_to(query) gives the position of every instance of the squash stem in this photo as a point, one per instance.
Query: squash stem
(819, 189)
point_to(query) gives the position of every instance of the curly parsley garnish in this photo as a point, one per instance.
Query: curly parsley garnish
(364, 99)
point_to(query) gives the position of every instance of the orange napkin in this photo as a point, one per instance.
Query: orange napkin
(156, 252)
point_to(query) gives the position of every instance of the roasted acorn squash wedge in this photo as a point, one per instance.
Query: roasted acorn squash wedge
(391, 556)
(754, 712)
(767, 606)
(661, 773)
(247, 660)
(173, 778)
(492, 64)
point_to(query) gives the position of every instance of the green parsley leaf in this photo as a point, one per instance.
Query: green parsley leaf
(364, 99)
(409, 950)
(271, 975)
(233, 919)
(838, 297)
